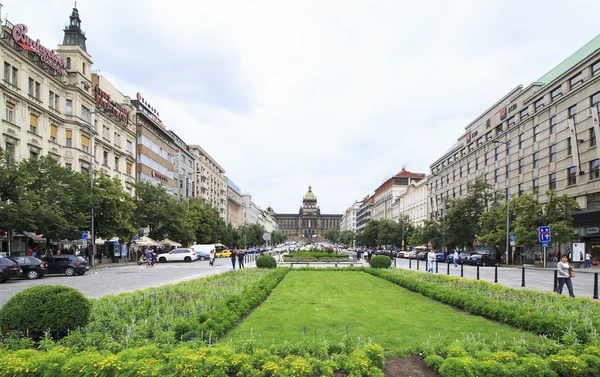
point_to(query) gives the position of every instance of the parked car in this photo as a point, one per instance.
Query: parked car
(411, 254)
(9, 269)
(32, 267)
(253, 251)
(178, 255)
(463, 257)
(440, 257)
(422, 255)
(481, 260)
(66, 264)
(223, 254)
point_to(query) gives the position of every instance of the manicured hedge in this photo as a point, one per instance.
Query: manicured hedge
(556, 316)
(380, 261)
(266, 261)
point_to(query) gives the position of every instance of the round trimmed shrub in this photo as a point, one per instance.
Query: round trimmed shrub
(266, 261)
(46, 307)
(380, 261)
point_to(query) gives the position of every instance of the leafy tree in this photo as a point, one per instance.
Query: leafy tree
(113, 209)
(526, 212)
(347, 237)
(332, 235)
(557, 214)
(277, 237)
(388, 232)
(417, 238)
(409, 227)
(432, 232)
(370, 235)
(203, 220)
(493, 226)
(254, 233)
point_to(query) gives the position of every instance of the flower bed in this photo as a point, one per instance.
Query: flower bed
(572, 321)
(314, 256)
(200, 310)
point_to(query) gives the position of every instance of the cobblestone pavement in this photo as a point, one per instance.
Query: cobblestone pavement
(102, 280)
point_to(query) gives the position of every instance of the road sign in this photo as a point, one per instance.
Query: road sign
(84, 235)
(513, 240)
(266, 236)
(84, 242)
(544, 232)
(544, 243)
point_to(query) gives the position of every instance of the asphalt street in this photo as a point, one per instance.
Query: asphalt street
(101, 280)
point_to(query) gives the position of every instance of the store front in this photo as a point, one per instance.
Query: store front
(588, 231)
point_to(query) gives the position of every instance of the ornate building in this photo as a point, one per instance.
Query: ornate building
(309, 224)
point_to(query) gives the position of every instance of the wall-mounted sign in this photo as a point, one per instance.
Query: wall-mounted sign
(49, 57)
(468, 137)
(157, 175)
(512, 108)
(103, 99)
(150, 111)
(148, 106)
(503, 114)
(488, 123)
(592, 230)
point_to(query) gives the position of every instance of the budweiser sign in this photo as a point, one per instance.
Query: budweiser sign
(103, 99)
(50, 57)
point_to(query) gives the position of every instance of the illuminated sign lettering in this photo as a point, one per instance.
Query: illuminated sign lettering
(49, 57)
(103, 99)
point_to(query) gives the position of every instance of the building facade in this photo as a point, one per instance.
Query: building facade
(185, 168)
(235, 205)
(211, 184)
(155, 147)
(250, 211)
(389, 191)
(413, 203)
(540, 137)
(309, 224)
(348, 221)
(363, 216)
(267, 220)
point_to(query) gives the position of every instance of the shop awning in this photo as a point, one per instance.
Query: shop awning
(35, 237)
(168, 242)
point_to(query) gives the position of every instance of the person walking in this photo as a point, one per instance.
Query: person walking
(211, 257)
(455, 258)
(280, 258)
(588, 260)
(149, 258)
(564, 270)
(241, 256)
(233, 257)
(431, 258)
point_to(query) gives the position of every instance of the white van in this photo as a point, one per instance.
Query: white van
(203, 251)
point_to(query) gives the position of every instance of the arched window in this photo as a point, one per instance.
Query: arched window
(68, 63)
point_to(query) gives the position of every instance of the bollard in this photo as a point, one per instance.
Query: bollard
(555, 280)
(595, 285)
(461, 270)
(409, 264)
(417, 264)
(436, 267)
(448, 272)
(495, 273)
(523, 277)
(477, 272)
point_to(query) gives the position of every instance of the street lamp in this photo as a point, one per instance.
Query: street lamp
(507, 143)
(93, 235)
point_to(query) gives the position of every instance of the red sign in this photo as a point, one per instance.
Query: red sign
(157, 175)
(469, 137)
(50, 57)
(104, 100)
(503, 113)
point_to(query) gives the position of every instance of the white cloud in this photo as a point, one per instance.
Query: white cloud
(338, 94)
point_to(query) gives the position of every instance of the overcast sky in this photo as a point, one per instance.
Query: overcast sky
(338, 94)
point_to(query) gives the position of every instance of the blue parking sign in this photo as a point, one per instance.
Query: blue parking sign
(544, 232)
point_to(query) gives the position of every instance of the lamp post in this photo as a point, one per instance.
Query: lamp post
(507, 143)
(93, 234)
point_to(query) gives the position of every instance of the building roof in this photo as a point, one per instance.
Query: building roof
(571, 61)
(309, 195)
(406, 174)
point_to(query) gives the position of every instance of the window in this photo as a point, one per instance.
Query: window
(38, 88)
(85, 143)
(596, 99)
(521, 188)
(497, 153)
(592, 137)
(479, 141)
(595, 169)
(68, 63)
(521, 166)
(553, 124)
(536, 133)
(117, 140)
(53, 132)
(593, 201)
(552, 181)
(557, 93)
(536, 160)
(56, 102)
(69, 137)
(10, 149)
(10, 113)
(521, 140)
(487, 177)
(569, 147)
(129, 146)
(576, 81)
(84, 170)
(50, 98)
(460, 171)
(69, 107)
(6, 72)
(511, 121)
(477, 163)
(83, 68)
(553, 152)
(536, 185)
(128, 168)
(524, 113)
(572, 173)
(33, 155)
(33, 123)
(117, 163)
(15, 74)
(596, 68)
(30, 87)
(539, 104)
(489, 136)
(85, 114)
(496, 175)
(68, 165)
(573, 113)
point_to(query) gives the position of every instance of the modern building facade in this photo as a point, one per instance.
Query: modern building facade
(348, 221)
(543, 136)
(185, 168)
(386, 194)
(309, 224)
(412, 202)
(363, 216)
(211, 184)
(250, 211)
(235, 205)
(155, 147)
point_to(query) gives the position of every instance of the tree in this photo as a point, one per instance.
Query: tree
(203, 220)
(432, 232)
(557, 215)
(526, 213)
(405, 223)
(277, 237)
(113, 209)
(388, 233)
(347, 237)
(370, 235)
(332, 235)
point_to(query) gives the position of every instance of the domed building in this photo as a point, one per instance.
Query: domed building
(309, 224)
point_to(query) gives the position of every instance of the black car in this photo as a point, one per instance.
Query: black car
(463, 257)
(422, 255)
(389, 253)
(66, 264)
(32, 267)
(481, 260)
(8, 270)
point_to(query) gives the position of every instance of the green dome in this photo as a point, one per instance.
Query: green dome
(309, 195)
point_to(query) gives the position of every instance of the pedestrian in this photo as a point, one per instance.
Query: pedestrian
(455, 258)
(241, 256)
(588, 260)
(431, 258)
(148, 258)
(233, 257)
(211, 256)
(280, 258)
(564, 271)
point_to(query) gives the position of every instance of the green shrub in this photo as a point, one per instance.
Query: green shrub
(380, 261)
(593, 363)
(434, 362)
(266, 261)
(45, 307)
(568, 365)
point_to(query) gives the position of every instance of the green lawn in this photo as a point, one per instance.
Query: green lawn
(326, 301)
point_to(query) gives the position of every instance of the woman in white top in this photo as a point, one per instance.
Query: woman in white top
(563, 275)
(431, 258)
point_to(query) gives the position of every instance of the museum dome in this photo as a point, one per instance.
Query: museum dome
(309, 195)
